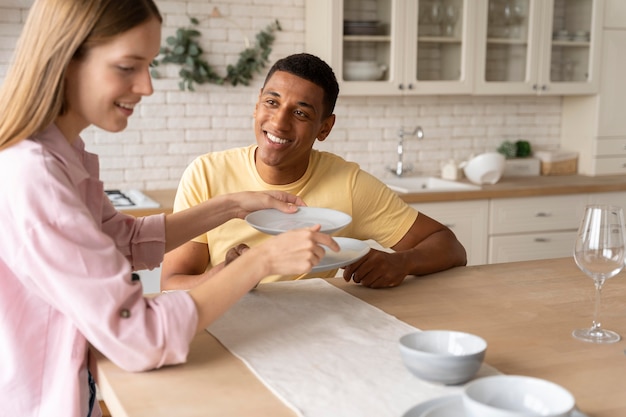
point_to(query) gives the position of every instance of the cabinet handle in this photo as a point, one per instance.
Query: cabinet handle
(401, 86)
(541, 240)
(535, 87)
(543, 214)
(410, 86)
(544, 87)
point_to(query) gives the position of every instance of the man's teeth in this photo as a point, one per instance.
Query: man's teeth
(275, 139)
(126, 106)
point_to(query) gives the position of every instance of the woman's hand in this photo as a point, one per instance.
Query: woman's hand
(250, 201)
(293, 252)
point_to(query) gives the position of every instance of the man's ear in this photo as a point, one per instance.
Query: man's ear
(257, 103)
(327, 126)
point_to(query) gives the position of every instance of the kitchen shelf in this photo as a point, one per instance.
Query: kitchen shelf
(367, 38)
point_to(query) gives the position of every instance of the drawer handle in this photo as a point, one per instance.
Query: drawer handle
(541, 240)
(543, 214)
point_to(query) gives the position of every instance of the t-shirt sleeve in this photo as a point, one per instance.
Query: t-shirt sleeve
(378, 212)
(193, 189)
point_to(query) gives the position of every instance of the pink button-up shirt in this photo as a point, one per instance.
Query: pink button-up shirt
(66, 256)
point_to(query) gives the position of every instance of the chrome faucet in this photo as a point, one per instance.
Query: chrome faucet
(400, 168)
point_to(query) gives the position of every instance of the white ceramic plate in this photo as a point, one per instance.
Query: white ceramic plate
(351, 251)
(274, 222)
(449, 406)
(437, 406)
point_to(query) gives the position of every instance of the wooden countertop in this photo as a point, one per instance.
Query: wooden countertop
(528, 187)
(505, 188)
(525, 310)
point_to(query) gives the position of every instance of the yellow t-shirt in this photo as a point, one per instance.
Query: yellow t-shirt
(329, 182)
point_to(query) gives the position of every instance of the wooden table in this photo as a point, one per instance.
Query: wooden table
(526, 311)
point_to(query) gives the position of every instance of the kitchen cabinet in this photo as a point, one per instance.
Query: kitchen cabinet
(616, 199)
(424, 47)
(538, 46)
(595, 126)
(468, 221)
(150, 280)
(533, 228)
(509, 47)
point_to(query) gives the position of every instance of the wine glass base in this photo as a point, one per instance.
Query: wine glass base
(596, 335)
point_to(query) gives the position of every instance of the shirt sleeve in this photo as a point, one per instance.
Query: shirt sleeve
(193, 189)
(379, 213)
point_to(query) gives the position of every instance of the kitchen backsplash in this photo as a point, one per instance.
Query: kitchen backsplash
(172, 127)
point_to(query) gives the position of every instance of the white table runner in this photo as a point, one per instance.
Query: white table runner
(324, 352)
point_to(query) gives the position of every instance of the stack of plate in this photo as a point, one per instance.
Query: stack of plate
(361, 27)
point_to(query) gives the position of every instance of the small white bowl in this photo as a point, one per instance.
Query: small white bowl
(443, 356)
(516, 396)
(486, 168)
(363, 70)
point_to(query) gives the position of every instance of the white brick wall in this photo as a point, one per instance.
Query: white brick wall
(172, 127)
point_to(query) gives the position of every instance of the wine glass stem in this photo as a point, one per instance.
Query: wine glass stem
(596, 312)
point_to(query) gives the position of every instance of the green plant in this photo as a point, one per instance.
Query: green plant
(518, 149)
(184, 50)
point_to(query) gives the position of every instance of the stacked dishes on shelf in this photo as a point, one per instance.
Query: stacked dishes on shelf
(361, 27)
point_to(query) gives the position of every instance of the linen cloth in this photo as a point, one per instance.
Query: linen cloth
(330, 181)
(324, 352)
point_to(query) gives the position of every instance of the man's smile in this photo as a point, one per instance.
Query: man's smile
(276, 139)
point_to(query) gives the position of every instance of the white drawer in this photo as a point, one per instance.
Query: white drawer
(609, 166)
(468, 221)
(525, 247)
(611, 147)
(534, 214)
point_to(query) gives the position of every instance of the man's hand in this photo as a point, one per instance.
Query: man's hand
(236, 252)
(376, 270)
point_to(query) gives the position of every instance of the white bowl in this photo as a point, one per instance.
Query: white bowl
(443, 356)
(516, 396)
(486, 168)
(363, 70)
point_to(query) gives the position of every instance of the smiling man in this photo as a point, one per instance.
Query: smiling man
(294, 110)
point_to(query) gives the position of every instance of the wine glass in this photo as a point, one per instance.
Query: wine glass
(599, 253)
(450, 18)
(436, 15)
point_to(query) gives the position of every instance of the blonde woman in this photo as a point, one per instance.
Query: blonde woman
(66, 254)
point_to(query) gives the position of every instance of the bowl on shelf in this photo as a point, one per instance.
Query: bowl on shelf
(443, 356)
(363, 70)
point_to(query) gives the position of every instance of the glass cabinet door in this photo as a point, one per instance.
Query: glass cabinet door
(440, 40)
(368, 47)
(538, 46)
(507, 50)
(569, 58)
(508, 40)
(405, 47)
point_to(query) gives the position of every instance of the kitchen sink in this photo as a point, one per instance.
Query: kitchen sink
(426, 185)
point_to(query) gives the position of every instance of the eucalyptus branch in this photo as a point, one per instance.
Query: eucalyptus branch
(184, 50)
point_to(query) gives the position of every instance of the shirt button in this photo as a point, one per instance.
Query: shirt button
(125, 313)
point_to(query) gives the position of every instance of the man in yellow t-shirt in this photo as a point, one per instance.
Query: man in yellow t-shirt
(294, 109)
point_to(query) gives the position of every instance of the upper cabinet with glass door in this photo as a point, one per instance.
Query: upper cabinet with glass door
(392, 47)
(538, 46)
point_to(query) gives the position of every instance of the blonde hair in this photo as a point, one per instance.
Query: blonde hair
(55, 32)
